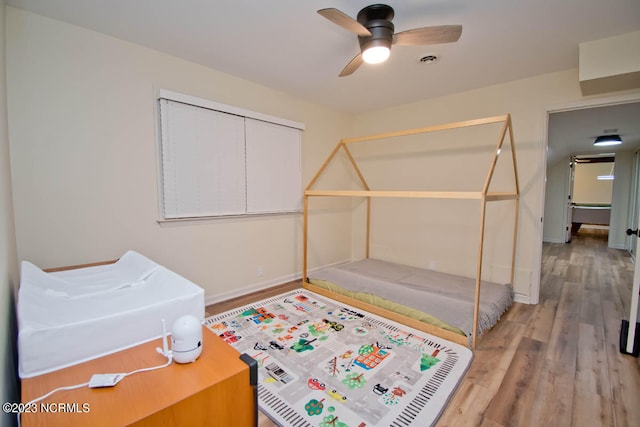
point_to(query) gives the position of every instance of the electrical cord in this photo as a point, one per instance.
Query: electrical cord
(76, 386)
(169, 360)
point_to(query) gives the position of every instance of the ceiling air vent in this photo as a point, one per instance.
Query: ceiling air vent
(428, 59)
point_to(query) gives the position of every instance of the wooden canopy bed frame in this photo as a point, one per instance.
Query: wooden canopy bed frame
(483, 196)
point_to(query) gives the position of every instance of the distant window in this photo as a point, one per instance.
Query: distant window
(218, 160)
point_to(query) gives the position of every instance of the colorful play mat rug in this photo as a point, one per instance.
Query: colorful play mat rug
(324, 363)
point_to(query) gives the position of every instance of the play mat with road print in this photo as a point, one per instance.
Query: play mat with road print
(324, 363)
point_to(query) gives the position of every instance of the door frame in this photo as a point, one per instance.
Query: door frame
(569, 200)
(634, 206)
(550, 109)
(635, 296)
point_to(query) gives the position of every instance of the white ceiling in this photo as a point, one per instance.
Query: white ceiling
(286, 45)
(573, 132)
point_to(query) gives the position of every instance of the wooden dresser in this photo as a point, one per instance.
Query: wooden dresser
(214, 390)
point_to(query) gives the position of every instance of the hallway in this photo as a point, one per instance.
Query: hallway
(558, 363)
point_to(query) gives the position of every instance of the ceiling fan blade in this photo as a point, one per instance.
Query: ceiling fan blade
(345, 21)
(352, 66)
(428, 35)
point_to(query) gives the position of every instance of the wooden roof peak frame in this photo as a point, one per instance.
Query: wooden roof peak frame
(483, 196)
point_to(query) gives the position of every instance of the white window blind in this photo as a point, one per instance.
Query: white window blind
(216, 163)
(273, 167)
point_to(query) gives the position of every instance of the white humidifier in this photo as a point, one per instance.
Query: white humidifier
(186, 339)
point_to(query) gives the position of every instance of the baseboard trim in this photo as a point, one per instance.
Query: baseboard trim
(524, 299)
(257, 287)
(225, 296)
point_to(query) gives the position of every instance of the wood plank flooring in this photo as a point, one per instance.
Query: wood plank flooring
(556, 363)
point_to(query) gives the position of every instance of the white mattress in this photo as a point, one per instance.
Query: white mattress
(68, 317)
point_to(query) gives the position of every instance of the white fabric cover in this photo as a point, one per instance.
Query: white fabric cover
(72, 316)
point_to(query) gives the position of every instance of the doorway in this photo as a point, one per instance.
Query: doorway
(576, 135)
(590, 193)
(571, 133)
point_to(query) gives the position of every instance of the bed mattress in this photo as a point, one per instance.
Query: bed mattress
(71, 316)
(447, 297)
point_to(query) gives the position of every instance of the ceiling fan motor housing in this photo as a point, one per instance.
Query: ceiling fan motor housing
(375, 11)
(377, 19)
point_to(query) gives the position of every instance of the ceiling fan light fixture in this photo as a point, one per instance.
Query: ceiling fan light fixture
(376, 54)
(376, 33)
(606, 177)
(376, 19)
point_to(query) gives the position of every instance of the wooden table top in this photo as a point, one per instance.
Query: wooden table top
(136, 396)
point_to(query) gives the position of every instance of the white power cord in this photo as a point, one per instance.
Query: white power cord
(98, 380)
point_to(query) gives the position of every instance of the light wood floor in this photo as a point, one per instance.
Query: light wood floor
(556, 363)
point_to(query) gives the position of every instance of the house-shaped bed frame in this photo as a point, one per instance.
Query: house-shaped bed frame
(483, 196)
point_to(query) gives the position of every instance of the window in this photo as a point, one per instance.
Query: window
(218, 160)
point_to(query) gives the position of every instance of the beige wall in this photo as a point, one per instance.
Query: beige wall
(528, 101)
(83, 139)
(610, 64)
(587, 188)
(84, 150)
(8, 264)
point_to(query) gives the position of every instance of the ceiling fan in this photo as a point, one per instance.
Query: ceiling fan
(375, 33)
